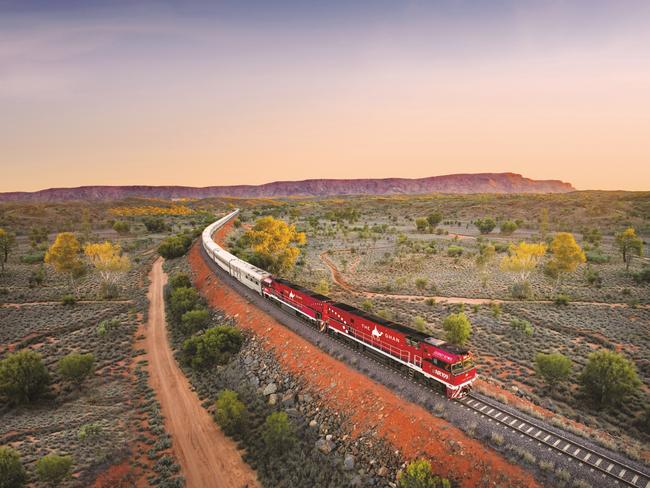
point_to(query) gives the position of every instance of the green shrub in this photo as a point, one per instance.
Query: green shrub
(23, 377)
(643, 276)
(419, 323)
(109, 291)
(89, 432)
(53, 469)
(554, 367)
(508, 227)
(608, 378)
(418, 474)
(522, 326)
(37, 277)
(175, 246)
(278, 432)
(68, 300)
(367, 305)
(214, 346)
(156, 225)
(521, 291)
(107, 327)
(195, 320)
(182, 300)
(454, 251)
(596, 257)
(230, 412)
(485, 226)
(458, 328)
(562, 299)
(122, 227)
(76, 367)
(12, 473)
(33, 258)
(180, 280)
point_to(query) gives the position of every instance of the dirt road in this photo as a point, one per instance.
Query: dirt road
(207, 457)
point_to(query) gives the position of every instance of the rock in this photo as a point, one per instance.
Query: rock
(328, 437)
(273, 399)
(356, 481)
(313, 424)
(325, 446)
(270, 388)
(288, 399)
(292, 412)
(383, 471)
(248, 359)
(255, 381)
(348, 462)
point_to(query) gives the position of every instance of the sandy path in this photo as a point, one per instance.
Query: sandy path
(207, 457)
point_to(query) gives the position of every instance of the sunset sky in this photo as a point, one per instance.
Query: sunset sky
(237, 92)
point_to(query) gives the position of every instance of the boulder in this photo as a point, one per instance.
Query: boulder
(270, 388)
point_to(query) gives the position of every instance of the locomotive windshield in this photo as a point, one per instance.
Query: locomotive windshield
(462, 366)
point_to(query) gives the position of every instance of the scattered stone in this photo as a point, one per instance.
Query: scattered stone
(325, 445)
(348, 462)
(313, 424)
(273, 399)
(383, 471)
(288, 399)
(270, 388)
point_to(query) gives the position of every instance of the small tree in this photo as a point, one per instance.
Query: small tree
(180, 280)
(367, 305)
(554, 367)
(421, 283)
(486, 225)
(419, 323)
(214, 346)
(629, 244)
(53, 469)
(508, 227)
(567, 254)
(278, 432)
(37, 235)
(12, 472)
(230, 412)
(418, 474)
(195, 320)
(484, 261)
(63, 254)
(7, 241)
(458, 328)
(108, 259)
(76, 367)
(608, 377)
(23, 377)
(434, 218)
(122, 227)
(183, 300)
(522, 259)
(421, 224)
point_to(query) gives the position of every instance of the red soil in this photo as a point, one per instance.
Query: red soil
(369, 405)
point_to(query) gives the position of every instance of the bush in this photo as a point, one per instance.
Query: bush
(278, 433)
(122, 227)
(522, 326)
(454, 251)
(109, 291)
(367, 305)
(76, 367)
(323, 287)
(608, 378)
(180, 280)
(156, 224)
(593, 278)
(508, 227)
(596, 257)
(68, 300)
(214, 346)
(418, 474)
(195, 320)
(419, 323)
(89, 432)
(642, 276)
(108, 326)
(562, 299)
(33, 258)
(53, 469)
(23, 377)
(458, 328)
(554, 367)
(175, 247)
(521, 291)
(230, 412)
(485, 226)
(12, 473)
(182, 300)
(37, 277)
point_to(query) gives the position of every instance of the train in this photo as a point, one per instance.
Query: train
(420, 355)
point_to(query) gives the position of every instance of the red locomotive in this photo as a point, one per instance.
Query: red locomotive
(424, 355)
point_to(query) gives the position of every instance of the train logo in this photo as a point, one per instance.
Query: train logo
(291, 295)
(376, 333)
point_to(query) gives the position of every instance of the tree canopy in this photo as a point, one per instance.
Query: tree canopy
(567, 254)
(629, 244)
(108, 259)
(458, 328)
(508, 227)
(274, 244)
(63, 254)
(608, 377)
(76, 367)
(215, 345)
(486, 225)
(53, 468)
(523, 258)
(278, 433)
(554, 367)
(23, 377)
(230, 412)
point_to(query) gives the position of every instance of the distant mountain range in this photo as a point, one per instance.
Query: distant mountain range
(459, 183)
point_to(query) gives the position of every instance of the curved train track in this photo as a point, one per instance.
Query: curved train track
(596, 460)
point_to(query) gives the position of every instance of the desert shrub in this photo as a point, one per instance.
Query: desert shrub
(12, 473)
(554, 367)
(230, 412)
(430, 301)
(495, 307)
(214, 346)
(182, 300)
(496, 438)
(53, 469)
(454, 251)
(643, 276)
(109, 291)
(122, 227)
(418, 474)
(33, 258)
(180, 280)
(367, 305)
(278, 432)
(486, 225)
(562, 299)
(508, 227)
(419, 323)
(156, 224)
(23, 377)
(522, 326)
(89, 432)
(608, 378)
(596, 257)
(593, 277)
(323, 287)
(37, 277)
(76, 367)
(521, 291)
(195, 320)
(68, 300)
(458, 328)
(107, 327)
(175, 246)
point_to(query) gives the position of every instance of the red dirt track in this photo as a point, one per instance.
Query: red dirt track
(369, 405)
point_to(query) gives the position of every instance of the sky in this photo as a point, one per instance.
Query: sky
(240, 92)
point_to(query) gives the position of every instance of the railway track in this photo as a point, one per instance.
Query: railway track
(596, 460)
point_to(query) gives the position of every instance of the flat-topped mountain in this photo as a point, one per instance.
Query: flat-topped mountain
(459, 183)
